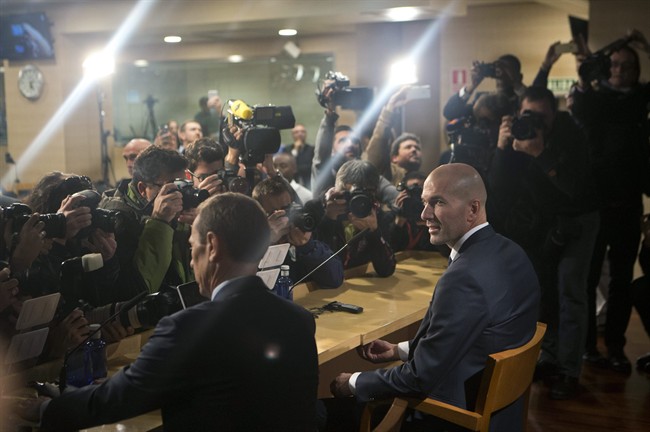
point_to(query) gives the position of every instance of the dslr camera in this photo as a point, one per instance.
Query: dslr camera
(302, 218)
(106, 220)
(261, 126)
(470, 143)
(525, 126)
(360, 202)
(192, 197)
(19, 213)
(487, 70)
(411, 206)
(355, 98)
(232, 182)
(596, 67)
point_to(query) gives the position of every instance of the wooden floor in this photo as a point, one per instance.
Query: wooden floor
(608, 401)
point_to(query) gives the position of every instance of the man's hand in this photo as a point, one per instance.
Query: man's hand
(103, 243)
(279, 223)
(114, 331)
(213, 184)
(505, 133)
(398, 99)
(30, 244)
(68, 333)
(8, 289)
(638, 40)
(335, 204)
(369, 221)
(551, 57)
(168, 203)
(298, 237)
(340, 386)
(77, 216)
(379, 351)
(475, 76)
(30, 409)
(188, 216)
(533, 147)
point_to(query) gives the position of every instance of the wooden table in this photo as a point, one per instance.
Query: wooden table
(393, 308)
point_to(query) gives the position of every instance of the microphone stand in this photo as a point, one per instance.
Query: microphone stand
(63, 375)
(104, 134)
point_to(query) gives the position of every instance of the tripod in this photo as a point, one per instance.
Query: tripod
(151, 118)
(104, 134)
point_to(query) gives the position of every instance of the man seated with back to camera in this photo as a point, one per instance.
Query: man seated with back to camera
(408, 231)
(306, 253)
(152, 241)
(204, 365)
(355, 193)
(336, 145)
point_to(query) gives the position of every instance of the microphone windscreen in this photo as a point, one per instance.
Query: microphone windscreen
(92, 262)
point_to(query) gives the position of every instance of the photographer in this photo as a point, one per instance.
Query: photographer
(641, 290)
(613, 111)
(205, 160)
(409, 231)
(540, 178)
(335, 145)
(506, 71)
(305, 254)
(152, 241)
(350, 208)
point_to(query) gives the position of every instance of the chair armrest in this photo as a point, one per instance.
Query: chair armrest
(445, 411)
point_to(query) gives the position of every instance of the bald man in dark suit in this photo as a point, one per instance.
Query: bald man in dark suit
(486, 302)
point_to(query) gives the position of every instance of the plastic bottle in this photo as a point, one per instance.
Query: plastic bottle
(79, 368)
(97, 347)
(283, 284)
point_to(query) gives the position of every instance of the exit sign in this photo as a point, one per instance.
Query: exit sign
(560, 86)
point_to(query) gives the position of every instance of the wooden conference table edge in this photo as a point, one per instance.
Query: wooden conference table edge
(335, 358)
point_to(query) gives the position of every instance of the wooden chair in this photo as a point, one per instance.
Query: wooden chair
(507, 376)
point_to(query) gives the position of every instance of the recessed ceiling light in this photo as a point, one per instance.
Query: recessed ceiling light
(172, 39)
(141, 63)
(402, 13)
(288, 32)
(235, 58)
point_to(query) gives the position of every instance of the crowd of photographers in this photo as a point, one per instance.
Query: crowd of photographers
(564, 185)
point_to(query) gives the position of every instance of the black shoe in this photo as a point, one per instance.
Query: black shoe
(619, 363)
(643, 363)
(595, 358)
(544, 370)
(565, 387)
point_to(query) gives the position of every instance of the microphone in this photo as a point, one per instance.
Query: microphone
(63, 376)
(70, 274)
(353, 239)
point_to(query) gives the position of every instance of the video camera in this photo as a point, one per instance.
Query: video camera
(18, 213)
(412, 206)
(470, 143)
(596, 67)
(525, 126)
(261, 126)
(192, 197)
(106, 220)
(355, 98)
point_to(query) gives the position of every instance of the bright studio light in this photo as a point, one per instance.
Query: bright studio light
(288, 32)
(403, 72)
(402, 13)
(98, 65)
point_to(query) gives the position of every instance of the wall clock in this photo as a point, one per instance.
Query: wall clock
(30, 82)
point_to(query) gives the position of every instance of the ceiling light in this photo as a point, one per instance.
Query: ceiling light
(235, 58)
(402, 13)
(172, 39)
(141, 63)
(288, 32)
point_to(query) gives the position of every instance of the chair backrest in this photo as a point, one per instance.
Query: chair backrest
(508, 375)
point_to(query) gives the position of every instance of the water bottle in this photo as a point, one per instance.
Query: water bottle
(79, 368)
(97, 346)
(283, 284)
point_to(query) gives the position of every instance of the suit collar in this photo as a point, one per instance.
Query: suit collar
(237, 285)
(478, 236)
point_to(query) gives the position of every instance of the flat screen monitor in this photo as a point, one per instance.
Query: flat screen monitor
(26, 37)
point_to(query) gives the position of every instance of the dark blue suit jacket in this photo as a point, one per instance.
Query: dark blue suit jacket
(486, 302)
(245, 361)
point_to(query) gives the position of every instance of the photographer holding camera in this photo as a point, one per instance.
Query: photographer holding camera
(612, 106)
(152, 241)
(540, 178)
(506, 71)
(351, 208)
(292, 223)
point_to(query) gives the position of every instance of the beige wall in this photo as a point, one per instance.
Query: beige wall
(364, 53)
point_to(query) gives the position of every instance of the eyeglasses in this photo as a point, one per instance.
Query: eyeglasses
(200, 177)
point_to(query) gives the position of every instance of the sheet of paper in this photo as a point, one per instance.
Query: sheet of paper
(269, 276)
(37, 311)
(274, 256)
(26, 345)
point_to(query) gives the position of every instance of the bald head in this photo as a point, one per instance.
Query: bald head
(131, 150)
(454, 197)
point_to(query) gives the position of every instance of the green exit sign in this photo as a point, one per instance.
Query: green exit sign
(560, 86)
